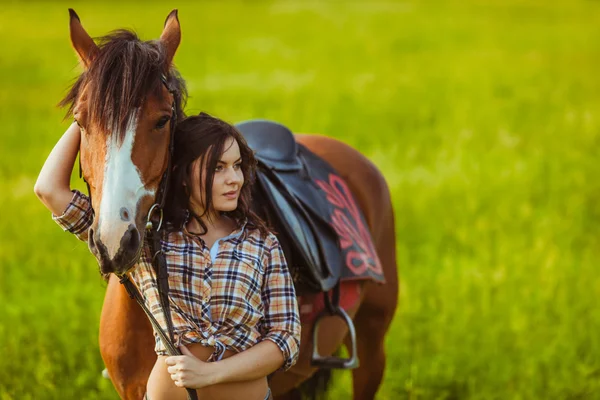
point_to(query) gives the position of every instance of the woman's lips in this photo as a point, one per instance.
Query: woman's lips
(231, 195)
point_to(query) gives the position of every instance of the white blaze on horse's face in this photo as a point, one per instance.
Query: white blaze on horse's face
(123, 190)
(124, 162)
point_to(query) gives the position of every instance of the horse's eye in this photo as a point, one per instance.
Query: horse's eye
(162, 122)
(79, 125)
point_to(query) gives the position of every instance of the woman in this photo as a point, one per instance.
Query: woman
(233, 304)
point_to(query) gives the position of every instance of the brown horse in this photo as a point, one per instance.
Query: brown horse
(123, 103)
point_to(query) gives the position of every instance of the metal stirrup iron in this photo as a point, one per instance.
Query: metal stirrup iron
(332, 308)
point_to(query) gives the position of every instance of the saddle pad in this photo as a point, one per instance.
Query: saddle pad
(360, 261)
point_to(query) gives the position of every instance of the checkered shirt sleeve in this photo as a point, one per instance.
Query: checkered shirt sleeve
(77, 217)
(282, 322)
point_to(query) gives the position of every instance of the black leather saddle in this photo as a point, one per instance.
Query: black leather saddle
(288, 197)
(294, 205)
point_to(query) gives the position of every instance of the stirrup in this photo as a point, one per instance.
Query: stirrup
(333, 362)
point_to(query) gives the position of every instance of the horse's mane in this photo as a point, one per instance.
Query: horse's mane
(124, 71)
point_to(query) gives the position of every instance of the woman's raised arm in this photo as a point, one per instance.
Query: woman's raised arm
(53, 185)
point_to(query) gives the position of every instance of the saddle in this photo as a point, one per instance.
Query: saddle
(287, 195)
(294, 205)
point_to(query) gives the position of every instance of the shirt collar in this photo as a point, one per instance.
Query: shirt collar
(234, 236)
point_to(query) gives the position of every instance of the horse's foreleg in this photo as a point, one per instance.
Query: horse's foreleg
(378, 307)
(372, 322)
(126, 342)
(371, 328)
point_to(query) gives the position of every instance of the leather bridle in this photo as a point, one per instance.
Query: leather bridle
(154, 223)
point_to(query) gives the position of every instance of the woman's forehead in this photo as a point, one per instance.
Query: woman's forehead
(231, 150)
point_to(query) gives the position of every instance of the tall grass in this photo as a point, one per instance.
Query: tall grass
(483, 116)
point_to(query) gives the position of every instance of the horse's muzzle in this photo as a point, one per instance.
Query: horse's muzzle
(126, 256)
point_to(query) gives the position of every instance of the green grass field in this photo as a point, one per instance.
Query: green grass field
(484, 116)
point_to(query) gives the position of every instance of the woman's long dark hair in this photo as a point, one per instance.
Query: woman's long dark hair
(204, 137)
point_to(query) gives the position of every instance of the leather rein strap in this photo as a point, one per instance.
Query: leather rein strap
(153, 227)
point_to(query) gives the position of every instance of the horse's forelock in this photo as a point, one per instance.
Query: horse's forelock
(123, 73)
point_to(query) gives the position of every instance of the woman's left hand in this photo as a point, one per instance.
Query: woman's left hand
(188, 371)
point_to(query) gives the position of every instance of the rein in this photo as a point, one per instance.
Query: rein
(153, 227)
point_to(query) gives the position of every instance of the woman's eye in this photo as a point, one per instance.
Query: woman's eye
(238, 166)
(162, 122)
(219, 168)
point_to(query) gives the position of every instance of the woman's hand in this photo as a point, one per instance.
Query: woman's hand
(190, 372)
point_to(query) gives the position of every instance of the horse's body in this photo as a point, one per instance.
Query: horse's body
(126, 340)
(132, 85)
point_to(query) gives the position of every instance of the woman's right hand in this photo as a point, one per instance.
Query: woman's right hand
(53, 185)
(188, 371)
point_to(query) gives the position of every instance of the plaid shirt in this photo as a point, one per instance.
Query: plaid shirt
(232, 296)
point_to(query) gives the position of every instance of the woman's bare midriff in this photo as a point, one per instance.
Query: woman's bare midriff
(161, 386)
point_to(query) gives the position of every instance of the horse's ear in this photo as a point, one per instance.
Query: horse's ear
(171, 36)
(82, 42)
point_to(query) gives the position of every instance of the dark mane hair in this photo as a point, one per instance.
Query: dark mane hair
(123, 72)
(204, 137)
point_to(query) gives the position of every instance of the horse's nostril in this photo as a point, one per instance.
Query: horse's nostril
(99, 250)
(128, 251)
(131, 239)
(92, 241)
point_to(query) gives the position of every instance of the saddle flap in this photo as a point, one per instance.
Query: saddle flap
(274, 144)
(314, 242)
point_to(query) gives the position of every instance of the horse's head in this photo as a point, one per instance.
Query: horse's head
(124, 102)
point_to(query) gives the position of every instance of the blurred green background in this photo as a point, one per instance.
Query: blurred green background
(484, 117)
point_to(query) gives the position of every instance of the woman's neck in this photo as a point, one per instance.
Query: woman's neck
(215, 223)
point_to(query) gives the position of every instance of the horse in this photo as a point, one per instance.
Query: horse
(123, 101)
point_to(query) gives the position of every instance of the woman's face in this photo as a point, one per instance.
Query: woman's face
(227, 182)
